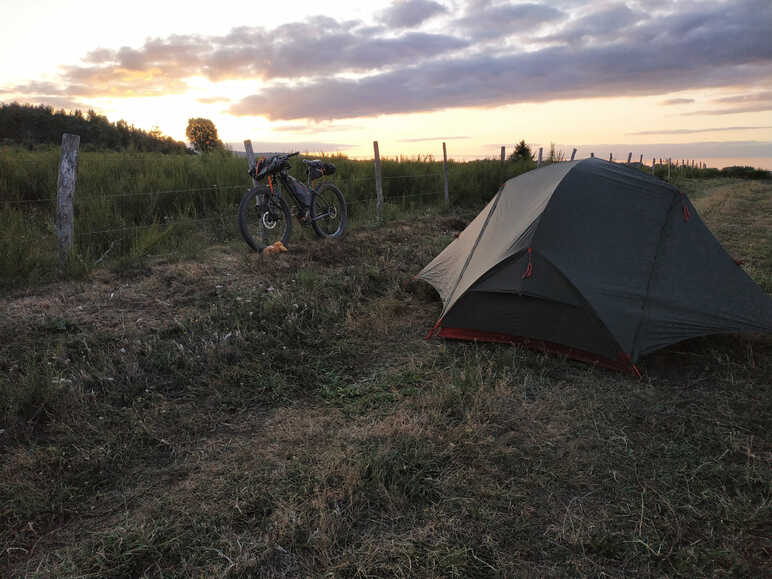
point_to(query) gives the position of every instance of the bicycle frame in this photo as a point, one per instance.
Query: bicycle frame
(284, 182)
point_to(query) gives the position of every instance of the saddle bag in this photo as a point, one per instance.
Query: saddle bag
(317, 169)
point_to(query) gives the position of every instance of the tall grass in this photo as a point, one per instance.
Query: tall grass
(125, 200)
(684, 171)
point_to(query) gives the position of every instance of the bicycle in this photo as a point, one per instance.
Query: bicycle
(264, 215)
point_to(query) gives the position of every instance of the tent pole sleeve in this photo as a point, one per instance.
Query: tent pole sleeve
(645, 303)
(474, 247)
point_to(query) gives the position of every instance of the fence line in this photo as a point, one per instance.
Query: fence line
(22, 201)
(151, 225)
(170, 191)
(65, 237)
(137, 194)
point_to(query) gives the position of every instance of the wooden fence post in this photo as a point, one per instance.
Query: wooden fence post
(538, 164)
(668, 168)
(250, 158)
(573, 154)
(65, 193)
(629, 157)
(640, 162)
(378, 183)
(445, 173)
(503, 151)
(653, 162)
(610, 157)
(592, 155)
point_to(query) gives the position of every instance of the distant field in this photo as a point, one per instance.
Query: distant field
(232, 415)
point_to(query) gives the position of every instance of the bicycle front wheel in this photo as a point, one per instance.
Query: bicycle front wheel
(328, 211)
(264, 218)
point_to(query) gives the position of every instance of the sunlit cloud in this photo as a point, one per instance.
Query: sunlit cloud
(291, 146)
(692, 131)
(421, 139)
(753, 97)
(426, 56)
(751, 108)
(677, 101)
(314, 128)
(213, 100)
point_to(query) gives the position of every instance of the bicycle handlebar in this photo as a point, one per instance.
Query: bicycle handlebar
(272, 165)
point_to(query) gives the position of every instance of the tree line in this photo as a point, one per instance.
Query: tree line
(36, 125)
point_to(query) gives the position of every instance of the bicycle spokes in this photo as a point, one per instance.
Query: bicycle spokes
(326, 214)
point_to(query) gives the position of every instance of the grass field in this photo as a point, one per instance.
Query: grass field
(131, 205)
(233, 415)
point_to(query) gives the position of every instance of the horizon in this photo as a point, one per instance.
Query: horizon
(660, 79)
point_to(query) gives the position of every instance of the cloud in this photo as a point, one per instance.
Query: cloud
(608, 23)
(691, 131)
(213, 100)
(262, 147)
(749, 102)
(685, 50)
(314, 128)
(486, 22)
(489, 55)
(484, 81)
(677, 101)
(315, 47)
(57, 102)
(411, 13)
(752, 108)
(35, 87)
(418, 140)
(763, 96)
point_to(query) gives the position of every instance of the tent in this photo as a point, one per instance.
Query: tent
(593, 259)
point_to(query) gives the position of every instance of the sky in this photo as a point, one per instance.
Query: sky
(687, 79)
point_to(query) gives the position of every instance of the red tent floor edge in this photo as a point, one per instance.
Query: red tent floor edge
(621, 364)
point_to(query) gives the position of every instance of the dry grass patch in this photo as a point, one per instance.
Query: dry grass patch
(247, 416)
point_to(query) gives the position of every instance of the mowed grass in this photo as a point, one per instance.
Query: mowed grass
(246, 416)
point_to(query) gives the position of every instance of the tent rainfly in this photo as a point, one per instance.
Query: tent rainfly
(593, 259)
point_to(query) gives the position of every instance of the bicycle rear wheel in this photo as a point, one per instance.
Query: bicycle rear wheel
(328, 211)
(264, 218)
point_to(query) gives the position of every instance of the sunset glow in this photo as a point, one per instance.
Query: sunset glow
(659, 78)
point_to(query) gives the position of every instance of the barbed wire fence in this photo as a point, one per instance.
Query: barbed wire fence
(364, 207)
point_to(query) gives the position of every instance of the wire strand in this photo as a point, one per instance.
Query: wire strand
(165, 225)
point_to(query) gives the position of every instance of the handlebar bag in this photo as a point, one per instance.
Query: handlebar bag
(257, 171)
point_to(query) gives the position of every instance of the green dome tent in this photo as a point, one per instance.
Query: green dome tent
(593, 259)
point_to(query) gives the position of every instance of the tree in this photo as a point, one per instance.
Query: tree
(522, 152)
(32, 125)
(202, 134)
